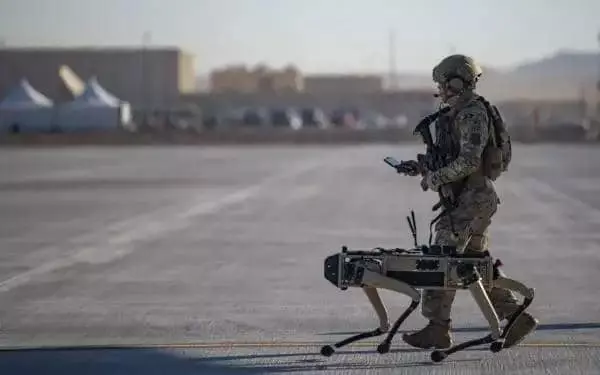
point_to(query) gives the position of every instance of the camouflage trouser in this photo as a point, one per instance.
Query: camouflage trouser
(470, 220)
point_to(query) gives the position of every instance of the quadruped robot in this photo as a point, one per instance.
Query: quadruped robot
(423, 267)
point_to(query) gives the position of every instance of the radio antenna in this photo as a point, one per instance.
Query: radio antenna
(413, 226)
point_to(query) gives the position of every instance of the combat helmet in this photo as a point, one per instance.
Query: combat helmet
(457, 72)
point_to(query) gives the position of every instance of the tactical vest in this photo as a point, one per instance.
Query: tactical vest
(497, 152)
(447, 137)
(447, 141)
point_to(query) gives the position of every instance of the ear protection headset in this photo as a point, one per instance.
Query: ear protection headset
(456, 83)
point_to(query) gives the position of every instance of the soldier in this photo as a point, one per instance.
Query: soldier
(464, 132)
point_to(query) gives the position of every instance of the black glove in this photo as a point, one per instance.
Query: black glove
(409, 167)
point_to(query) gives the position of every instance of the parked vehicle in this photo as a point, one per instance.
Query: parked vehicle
(286, 118)
(314, 117)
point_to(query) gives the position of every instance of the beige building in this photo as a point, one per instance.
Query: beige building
(241, 79)
(343, 83)
(147, 78)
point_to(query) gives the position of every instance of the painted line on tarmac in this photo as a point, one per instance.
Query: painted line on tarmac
(122, 237)
(258, 344)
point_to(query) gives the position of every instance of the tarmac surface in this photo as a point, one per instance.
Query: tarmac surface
(209, 260)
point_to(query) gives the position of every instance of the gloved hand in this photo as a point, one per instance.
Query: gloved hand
(410, 167)
(427, 182)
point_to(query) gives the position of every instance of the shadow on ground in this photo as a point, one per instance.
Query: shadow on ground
(132, 361)
(541, 327)
(96, 361)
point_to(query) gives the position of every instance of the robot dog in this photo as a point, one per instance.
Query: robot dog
(423, 267)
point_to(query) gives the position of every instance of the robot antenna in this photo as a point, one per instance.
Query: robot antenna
(412, 224)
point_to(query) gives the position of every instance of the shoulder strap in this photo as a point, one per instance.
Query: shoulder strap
(491, 119)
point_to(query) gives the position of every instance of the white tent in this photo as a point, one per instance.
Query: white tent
(25, 109)
(94, 109)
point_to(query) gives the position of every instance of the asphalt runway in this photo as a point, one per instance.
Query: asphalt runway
(209, 260)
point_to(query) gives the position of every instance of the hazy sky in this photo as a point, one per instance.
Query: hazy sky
(316, 35)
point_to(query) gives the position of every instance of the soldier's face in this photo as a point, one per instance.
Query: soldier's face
(444, 93)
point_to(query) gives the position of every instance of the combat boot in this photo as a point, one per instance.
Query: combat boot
(434, 335)
(524, 325)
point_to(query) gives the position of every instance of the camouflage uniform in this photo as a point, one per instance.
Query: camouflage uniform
(464, 131)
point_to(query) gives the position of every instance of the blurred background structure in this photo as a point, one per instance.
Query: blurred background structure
(556, 96)
(160, 85)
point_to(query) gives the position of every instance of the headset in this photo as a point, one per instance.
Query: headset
(455, 83)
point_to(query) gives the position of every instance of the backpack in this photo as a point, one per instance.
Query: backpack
(498, 151)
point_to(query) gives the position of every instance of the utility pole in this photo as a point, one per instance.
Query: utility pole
(144, 88)
(393, 76)
(597, 101)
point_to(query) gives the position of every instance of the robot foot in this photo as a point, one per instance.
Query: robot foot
(328, 350)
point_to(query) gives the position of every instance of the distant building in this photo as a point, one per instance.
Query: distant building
(240, 79)
(343, 83)
(152, 78)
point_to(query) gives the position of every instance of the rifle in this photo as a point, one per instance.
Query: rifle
(434, 158)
